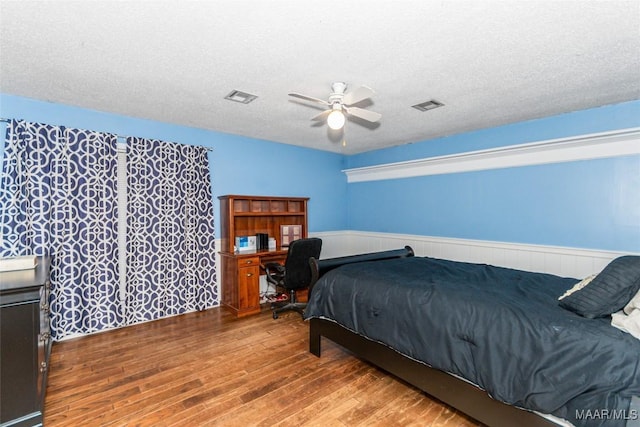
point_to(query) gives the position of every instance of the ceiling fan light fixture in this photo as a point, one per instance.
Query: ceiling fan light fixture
(341, 104)
(336, 120)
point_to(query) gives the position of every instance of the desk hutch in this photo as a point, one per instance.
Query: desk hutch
(246, 216)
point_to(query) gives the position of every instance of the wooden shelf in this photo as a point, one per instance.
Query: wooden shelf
(267, 206)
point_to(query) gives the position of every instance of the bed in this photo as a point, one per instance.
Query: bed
(493, 342)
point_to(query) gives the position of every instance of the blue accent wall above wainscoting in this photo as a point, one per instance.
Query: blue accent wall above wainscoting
(592, 204)
(239, 165)
(587, 204)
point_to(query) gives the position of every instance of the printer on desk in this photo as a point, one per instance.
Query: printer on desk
(259, 242)
(245, 243)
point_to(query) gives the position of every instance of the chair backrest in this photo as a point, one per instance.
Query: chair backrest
(297, 269)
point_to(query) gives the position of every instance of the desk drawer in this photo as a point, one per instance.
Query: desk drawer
(248, 262)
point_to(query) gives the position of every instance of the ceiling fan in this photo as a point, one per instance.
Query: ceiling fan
(341, 105)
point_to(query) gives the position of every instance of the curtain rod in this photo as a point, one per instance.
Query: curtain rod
(2, 119)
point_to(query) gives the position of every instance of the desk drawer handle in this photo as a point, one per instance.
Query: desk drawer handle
(249, 262)
(249, 274)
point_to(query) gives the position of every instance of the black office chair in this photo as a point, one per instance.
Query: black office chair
(295, 274)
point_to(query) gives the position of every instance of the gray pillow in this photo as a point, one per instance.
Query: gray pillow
(609, 291)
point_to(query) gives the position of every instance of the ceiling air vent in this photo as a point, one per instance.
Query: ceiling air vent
(428, 105)
(239, 96)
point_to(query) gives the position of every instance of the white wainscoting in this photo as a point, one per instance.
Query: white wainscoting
(561, 261)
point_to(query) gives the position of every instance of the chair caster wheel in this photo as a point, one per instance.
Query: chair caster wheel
(275, 315)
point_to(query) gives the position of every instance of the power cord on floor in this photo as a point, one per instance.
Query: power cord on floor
(273, 296)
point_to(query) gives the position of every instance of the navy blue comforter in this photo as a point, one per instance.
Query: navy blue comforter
(500, 328)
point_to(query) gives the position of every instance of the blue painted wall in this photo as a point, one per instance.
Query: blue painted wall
(587, 204)
(239, 165)
(601, 119)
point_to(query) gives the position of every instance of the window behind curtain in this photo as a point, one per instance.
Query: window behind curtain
(130, 232)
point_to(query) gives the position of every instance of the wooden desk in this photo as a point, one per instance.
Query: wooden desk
(246, 216)
(241, 273)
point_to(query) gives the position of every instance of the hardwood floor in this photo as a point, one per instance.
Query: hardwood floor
(209, 368)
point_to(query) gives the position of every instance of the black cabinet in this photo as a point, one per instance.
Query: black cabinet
(25, 344)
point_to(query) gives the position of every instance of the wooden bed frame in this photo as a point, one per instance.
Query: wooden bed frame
(447, 388)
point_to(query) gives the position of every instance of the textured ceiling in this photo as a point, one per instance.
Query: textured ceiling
(489, 62)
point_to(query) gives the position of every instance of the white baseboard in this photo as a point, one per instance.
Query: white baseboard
(561, 261)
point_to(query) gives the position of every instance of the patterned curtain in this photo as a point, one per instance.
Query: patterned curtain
(170, 236)
(58, 198)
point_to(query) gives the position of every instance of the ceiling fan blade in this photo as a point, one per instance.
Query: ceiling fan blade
(309, 98)
(361, 113)
(357, 95)
(322, 116)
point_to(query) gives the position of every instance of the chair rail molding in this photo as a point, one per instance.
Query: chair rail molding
(622, 142)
